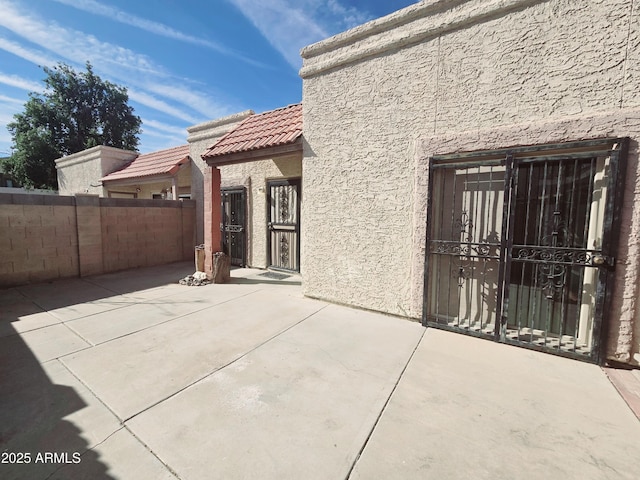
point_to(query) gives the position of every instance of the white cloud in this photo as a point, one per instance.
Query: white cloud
(21, 51)
(154, 141)
(115, 14)
(11, 101)
(5, 143)
(197, 101)
(290, 25)
(5, 118)
(153, 127)
(161, 106)
(21, 83)
(142, 76)
(5, 137)
(72, 44)
(8, 107)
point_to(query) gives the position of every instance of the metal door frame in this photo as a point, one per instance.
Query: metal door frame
(616, 149)
(226, 229)
(276, 182)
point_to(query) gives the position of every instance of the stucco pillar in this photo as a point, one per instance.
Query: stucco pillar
(89, 227)
(212, 218)
(174, 188)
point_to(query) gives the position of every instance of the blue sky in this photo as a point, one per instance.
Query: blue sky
(182, 61)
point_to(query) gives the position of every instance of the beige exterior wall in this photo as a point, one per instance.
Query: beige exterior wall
(380, 99)
(254, 176)
(38, 238)
(44, 237)
(202, 137)
(82, 171)
(146, 190)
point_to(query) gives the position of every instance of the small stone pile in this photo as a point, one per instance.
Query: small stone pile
(196, 280)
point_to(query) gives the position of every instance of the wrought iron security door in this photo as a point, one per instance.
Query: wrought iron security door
(520, 247)
(284, 224)
(233, 226)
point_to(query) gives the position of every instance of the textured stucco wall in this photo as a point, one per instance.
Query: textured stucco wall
(82, 171)
(465, 70)
(201, 137)
(254, 176)
(623, 342)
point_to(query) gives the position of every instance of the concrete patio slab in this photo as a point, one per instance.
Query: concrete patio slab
(121, 457)
(206, 295)
(48, 410)
(60, 294)
(19, 314)
(138, 280)
(44, 344)
(251, 380)
(160, 361)
(299, 406)
(467, 408)
(109, 325)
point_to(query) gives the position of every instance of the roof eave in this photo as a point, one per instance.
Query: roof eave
(255, 155)
(179, 164)
(156, 178)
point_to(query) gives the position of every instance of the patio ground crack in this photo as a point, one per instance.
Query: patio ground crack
(384, 407)
(240, 357)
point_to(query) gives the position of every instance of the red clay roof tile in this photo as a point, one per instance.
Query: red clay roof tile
(162, 162)
(269, 129)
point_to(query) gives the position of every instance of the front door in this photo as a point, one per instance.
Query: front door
(520, 244)
(283, 224)
(233, 226)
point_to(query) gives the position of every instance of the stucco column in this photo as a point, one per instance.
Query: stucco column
(174, 188)
(212, 218)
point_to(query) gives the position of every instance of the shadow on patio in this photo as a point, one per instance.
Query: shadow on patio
(37, 433)
(42, 402)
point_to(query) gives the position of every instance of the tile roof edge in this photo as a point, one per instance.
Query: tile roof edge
(219, 121)
(177, 164)
(206, 154)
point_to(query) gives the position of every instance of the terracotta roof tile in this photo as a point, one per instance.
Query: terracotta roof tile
(269, 129)
(165, 162)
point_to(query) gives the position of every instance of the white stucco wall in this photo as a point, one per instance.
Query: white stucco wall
(374, 95)
(255, 175)
(202, 137)
(82, 171)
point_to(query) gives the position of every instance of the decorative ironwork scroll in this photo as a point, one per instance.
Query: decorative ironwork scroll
(284, 203)
(555, 255)
(552, 278)
(443, 247)
(284, 249)
(462, 274)
(465, 225)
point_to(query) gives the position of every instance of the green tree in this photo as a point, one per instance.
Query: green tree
(76, 112)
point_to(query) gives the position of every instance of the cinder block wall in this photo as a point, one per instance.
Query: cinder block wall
(38, 238)
(46, 237)
(139, 233)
